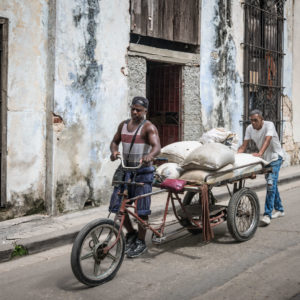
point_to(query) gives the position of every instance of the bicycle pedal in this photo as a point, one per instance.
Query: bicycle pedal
(158, 240)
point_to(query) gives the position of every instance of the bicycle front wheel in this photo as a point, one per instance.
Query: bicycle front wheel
(90, 264)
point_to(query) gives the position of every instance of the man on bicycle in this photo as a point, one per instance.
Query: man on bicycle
(140, 143)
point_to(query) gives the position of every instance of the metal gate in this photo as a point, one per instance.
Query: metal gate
(263, 59)
(164, 87)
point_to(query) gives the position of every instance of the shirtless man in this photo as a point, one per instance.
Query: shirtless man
(145, 147)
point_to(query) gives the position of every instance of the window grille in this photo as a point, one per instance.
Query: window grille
(263, 57)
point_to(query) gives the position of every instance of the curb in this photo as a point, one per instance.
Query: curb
(48, 241)
(41, 243)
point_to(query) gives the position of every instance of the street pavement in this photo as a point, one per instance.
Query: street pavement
(40, 232)
(265, 267)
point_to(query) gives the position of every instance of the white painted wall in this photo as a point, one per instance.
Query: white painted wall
(91, 92)
(91, 106)
(26, 100)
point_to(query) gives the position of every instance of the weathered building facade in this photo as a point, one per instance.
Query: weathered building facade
(70, 68)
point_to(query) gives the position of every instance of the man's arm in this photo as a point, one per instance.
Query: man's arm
(264, 146)
(114, 145)
(153, 139)
(243, 147)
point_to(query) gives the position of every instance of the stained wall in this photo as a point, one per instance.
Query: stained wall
(221, 67)
(90, 98)
(26, 102)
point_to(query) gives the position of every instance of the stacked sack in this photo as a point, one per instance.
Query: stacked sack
(220, 135)
(196, 159)
(208, 159)
(216, 152)
(176, 154)
(242, 159)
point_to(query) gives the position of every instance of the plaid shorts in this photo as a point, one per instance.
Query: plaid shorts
(145, 175)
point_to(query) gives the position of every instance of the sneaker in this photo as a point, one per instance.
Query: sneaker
(277, 214)
(130, 239)
(266, 220)
(139, 248)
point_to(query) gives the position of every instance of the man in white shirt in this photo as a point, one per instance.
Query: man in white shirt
(264, 134)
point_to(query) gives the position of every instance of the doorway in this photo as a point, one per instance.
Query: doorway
(164, 91)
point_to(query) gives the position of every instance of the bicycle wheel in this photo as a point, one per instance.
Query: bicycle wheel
(243, 214)
(89, 263)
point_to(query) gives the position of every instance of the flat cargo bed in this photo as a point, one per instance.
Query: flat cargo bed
(229, 176)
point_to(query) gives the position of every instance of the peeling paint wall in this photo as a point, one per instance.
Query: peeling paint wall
(90, 97)
(222, 71)
(291, 82)
(191, 115)
(92, 84)
(221, 67)
(27, 56)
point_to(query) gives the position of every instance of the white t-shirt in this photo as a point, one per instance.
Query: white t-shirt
(258, 136)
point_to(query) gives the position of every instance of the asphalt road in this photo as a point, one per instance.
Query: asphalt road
(266, 267)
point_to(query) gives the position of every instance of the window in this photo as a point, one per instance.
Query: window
(263, 59)
(172, 20)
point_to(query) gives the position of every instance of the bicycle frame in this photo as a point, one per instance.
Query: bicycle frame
(126, 205)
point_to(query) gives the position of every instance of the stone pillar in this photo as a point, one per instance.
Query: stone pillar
(191, 114)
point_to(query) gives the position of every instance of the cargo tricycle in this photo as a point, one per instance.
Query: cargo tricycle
(98, 250)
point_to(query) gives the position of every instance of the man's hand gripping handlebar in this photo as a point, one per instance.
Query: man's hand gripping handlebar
(157, 159)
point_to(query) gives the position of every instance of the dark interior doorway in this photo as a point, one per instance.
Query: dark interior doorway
(164, 91)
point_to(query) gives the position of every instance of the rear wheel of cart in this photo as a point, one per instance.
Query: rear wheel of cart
(90, 262)
(192, 203)
(243, 214)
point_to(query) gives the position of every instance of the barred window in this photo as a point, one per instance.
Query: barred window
(263, 58)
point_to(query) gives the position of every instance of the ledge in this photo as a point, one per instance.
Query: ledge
(158, 54)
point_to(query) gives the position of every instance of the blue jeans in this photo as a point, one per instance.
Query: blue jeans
(273, 198)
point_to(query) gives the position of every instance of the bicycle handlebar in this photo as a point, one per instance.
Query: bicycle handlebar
(140, 165)
(131, 168)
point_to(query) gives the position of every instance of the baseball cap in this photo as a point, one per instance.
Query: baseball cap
(140, 101)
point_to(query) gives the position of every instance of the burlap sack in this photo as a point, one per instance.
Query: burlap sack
(211, 156)
(215, 135)
(220, 135)
(169, 170)
(177, 152)
(242, 159)
(198, 176)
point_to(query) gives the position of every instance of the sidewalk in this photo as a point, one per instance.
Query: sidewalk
(40, 232)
